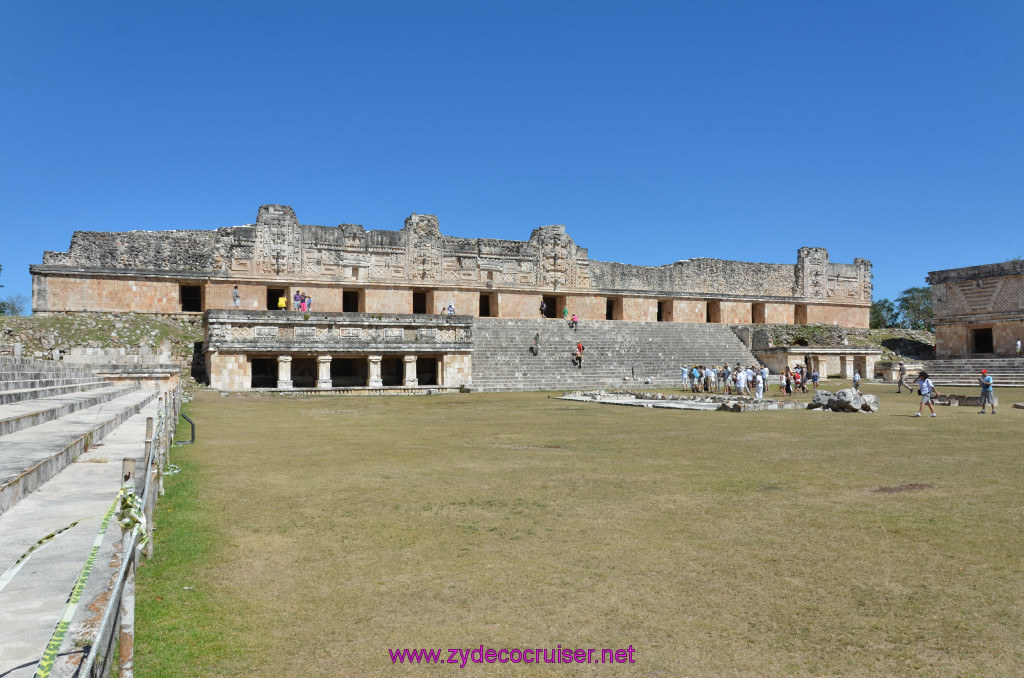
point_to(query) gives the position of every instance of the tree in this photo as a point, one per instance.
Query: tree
(915, 308)
(14, 304)
(3, 304)
(884, 314)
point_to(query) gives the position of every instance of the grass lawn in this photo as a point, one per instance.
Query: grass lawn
(307, 536)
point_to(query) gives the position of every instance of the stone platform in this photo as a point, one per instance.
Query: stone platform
(716, 403)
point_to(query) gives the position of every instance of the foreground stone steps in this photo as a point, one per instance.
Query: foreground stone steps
(17, 395)
(35, 597)
(31, 456)
(22, 415)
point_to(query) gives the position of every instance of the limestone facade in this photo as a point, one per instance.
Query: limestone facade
(417, 270)
(316, 350)
(978, 310)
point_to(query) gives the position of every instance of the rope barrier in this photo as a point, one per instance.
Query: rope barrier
(7, 576)
(53, 647)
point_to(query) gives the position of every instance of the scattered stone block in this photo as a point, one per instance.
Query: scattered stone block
(846, 400)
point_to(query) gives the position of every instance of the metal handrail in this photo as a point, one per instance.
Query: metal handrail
(193, 425)
(97, 664)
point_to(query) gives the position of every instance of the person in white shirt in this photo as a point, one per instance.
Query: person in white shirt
(741, 382)
(758, 386)
(927, 393)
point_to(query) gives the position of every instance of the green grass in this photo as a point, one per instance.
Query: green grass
(319, 532)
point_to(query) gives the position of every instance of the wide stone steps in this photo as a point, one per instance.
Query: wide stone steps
(30, 457)
(964, 372)
(616, 353)
(16, 394)
(22, 415)
(49, 414)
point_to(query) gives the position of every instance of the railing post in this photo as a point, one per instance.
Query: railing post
(126, 632)
(148, 510)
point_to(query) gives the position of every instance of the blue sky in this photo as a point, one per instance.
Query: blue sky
(655, 131)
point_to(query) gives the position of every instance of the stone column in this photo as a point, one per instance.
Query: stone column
(375, 380)
(410, 371)
(323, 371)
(284, 371)
(441, 362)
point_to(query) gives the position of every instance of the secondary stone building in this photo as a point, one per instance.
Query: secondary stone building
(978, 309)
(378, 296)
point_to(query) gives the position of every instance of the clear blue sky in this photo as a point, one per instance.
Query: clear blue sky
(655, 131)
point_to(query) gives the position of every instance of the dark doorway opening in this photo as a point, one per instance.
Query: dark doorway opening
(662, 311)
(757, 314)
(609, 309)
(273, 294)
(191, 298)
(426, 371)
(264, 372)
(350, 301)
(419, 302)
(714, 312)
(198, 370)
(800, 314)
(551, 307)
(349, 372)
(392, 371)
(303, 372)
(982, 340)
(485, 306)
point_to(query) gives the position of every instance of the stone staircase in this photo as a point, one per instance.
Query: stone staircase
(617, 354)
(49, 414)
(52, 414)
(964, 372)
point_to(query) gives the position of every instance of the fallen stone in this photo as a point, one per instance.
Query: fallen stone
(846, 400)
(820, 399)
(870, 403)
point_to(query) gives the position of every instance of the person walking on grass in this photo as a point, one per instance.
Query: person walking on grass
(927, 389)
(901, 379)
(987, 396)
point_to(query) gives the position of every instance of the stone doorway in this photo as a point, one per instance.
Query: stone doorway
(303, 372)
(981, 340)
(273, 294)
(488, 308)
(426, 371)
(613, 309)
(422, 302)
(191, 298)
(552, 309)
(351, 301)
(349, 372)
(392, 371)
(264, 372)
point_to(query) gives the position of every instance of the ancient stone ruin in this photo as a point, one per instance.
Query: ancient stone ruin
(409, 308)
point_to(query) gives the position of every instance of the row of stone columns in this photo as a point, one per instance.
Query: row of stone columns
(323, 371)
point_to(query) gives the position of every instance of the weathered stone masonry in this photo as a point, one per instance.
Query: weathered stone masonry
(378, 295)
(978, 309)
(418, 270)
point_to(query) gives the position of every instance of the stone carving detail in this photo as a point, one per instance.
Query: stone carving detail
(278, 242)
(265, 332)
(812, 273)
(277, 246)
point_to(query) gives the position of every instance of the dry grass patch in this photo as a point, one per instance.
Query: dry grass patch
(321, 531)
